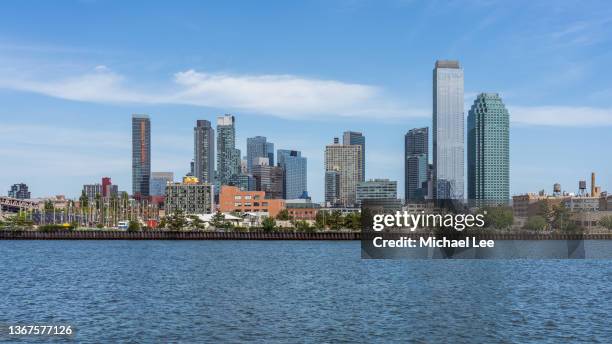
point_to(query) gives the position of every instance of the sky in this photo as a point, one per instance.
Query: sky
(300, 73)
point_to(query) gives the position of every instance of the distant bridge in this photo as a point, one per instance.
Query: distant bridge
(14, 204)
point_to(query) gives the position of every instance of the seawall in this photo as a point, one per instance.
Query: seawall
(200, 235)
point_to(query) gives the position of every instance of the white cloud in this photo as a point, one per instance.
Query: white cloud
(286, 96)
(566, 116)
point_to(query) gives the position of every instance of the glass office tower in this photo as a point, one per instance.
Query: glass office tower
(141, 155)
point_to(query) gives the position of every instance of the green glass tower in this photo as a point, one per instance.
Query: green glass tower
(488, 151)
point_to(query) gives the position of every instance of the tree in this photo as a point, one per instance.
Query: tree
(268, 224)
(352, 221)
(49, 205)
(218, 220)
(562, 219)
(498, 217)
(176, 221)
(133, 226)
(83, 200)
(283, 215)
(320, 219)
(536, 223)
(303, 226)
(606, 222)
(335, 220)
(196, 222)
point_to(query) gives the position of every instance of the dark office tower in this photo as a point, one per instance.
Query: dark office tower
(228, 157)
(294, 165)
(416, 163)
(270, 152)
(488, 151)
(204, 151)
(448, 126)
(356, 138)
(141, 155)
(268, 178)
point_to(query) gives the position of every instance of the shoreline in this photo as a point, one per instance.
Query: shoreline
(260, 235)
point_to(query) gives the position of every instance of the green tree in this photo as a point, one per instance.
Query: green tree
(133, 226)
(336, 220)
(83, 200)
(283, 215)
(536, 223)
(218, 220)
(268, 224)
(176, 221)
(498, 217)
(562, 219)
(49, 207)
(196, 222)
(320, 219)
(303, 226)
(352, 221)
(606, 222)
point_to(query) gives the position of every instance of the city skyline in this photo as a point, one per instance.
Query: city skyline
(67, 97)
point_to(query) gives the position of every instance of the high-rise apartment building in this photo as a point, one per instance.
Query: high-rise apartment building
(141, 155)
(294, 165)
(228, 157)
(346, 160)
(189, 197)
(19, 191)
(376, 189)
(488, 150)
(159, 180)
(416, 163)
(448, 130)
(204, 151)
(356, 138)
(332, 187)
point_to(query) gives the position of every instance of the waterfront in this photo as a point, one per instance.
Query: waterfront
(283, 291)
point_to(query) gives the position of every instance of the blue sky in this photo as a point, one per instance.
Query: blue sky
(300, 73)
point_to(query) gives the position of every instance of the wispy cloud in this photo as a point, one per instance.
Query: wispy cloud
(567, 116)
(281, 95)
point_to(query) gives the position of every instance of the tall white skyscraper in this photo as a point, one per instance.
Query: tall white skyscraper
(448, 130)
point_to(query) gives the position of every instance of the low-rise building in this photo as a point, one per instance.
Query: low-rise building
(376, 189)
(232, 199)
(302, 209)
(530, 204)
(190, 197)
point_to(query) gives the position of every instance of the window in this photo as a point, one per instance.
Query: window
(237, 197)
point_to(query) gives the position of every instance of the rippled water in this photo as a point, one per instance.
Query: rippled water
(224, 291)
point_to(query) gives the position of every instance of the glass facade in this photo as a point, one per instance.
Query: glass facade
(376, 189)
(416, 163)
(489, 150)
(204, 151)
(228, 157)
(294, 165)
(448, 130)
(141, 155)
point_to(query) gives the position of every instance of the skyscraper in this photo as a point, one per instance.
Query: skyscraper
(141, 155)
(257, 147)
(332, 187)
(448, 127)
(295, 172)
(416, 160)
(270, 152)
(228, 157)
(268, 178)
(204, 151)
(345, 160)
(356, 138)
(159, 181)
(488, 150)
(19, 191)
